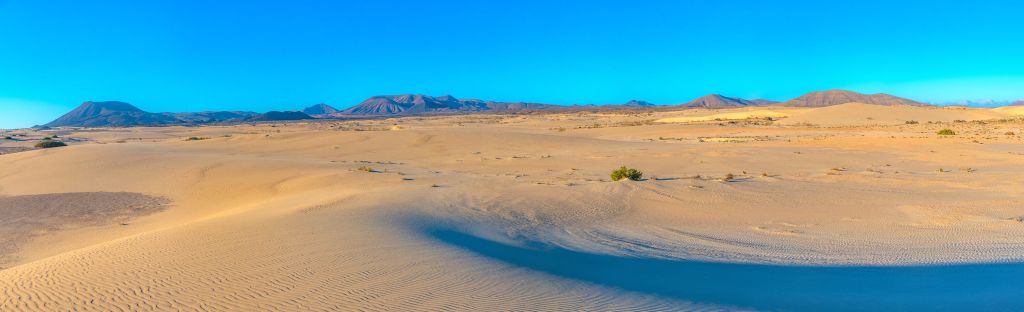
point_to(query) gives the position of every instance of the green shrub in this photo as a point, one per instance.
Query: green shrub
(626, 173)
(947, 132)
(49, 144)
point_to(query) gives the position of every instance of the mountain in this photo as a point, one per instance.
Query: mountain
(320, 109)
(836, 97)
(763, 102)
(719, 101)
(121, 114)
(1017, 103)
(281, 116)
(110, 114)
(212, 117)
(637, 103)
(410, 104)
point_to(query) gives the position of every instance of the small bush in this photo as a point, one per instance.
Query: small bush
(626, 173)
(727, 178)
(911, 122)
(947, 131)
(50, 144)
(196, 138)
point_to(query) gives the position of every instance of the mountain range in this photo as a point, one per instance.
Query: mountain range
(410, 104)
(121, 114)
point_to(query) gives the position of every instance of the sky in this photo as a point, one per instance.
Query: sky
(188, 55)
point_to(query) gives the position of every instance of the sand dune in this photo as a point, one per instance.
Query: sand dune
(487, 212)
(854, 114)
(740, 115)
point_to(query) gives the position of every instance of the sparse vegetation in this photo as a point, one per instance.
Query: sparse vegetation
(728, 177)
(196, 138)
(911, 122)
(947, 131)
(50, 144)
(626, 173)
(366, 168)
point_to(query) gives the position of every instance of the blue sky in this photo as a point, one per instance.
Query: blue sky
(186, 55)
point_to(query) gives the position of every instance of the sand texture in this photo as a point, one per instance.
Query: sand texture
(847, 207)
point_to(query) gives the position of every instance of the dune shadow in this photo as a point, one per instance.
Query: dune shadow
(967, 287)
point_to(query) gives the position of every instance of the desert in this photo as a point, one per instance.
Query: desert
(854, 206)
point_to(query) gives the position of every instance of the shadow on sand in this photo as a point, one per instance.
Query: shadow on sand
(972, 287)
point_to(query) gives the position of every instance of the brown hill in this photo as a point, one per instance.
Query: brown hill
(836, 97)
(719, 101)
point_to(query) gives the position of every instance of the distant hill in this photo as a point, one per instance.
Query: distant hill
(121, 114)
(212, 117)
(836, 97)
(410, 104)
(719, 101)
(320, 109)
(1017, 103)
(763, 102)
(110, 114)
(638, 103)
(281, 116)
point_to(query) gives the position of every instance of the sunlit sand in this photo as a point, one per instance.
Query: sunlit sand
(855, 206)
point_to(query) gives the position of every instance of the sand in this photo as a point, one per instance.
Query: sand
(516, 212)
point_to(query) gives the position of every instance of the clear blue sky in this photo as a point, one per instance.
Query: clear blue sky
(186, 55)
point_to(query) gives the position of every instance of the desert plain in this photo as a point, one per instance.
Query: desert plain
(846, 207)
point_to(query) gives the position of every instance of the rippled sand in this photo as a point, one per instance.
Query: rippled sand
(490, 212)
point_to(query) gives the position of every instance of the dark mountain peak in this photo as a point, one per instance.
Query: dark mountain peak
(281, 116)
(637, 103)
(320, 109)
(94, 107)
(447, 98)
(836, 97)
(109, 114)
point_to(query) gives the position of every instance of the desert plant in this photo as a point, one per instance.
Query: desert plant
(626, 173)
(50, 144)
(727, 178)
(947, 131)
(911, 122)
(196, 138)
